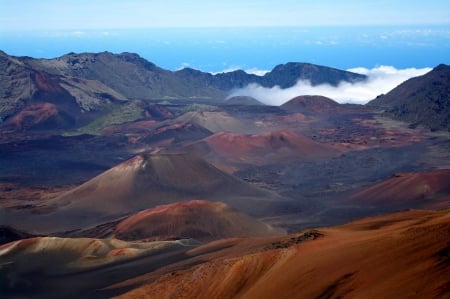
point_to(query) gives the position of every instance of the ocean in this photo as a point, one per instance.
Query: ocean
(252, 49)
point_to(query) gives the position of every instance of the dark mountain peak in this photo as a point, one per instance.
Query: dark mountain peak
(290, 66)
(3, 54)
(191, 71)
(136, 59)
(129, 54)
(107, 57)
(235, 79)
(235, 73)
(5, 58)
(74, 59)
(422, 100)
(287, 75)
(442, 67)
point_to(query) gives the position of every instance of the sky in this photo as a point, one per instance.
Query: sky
(405, 37)
(113, 14)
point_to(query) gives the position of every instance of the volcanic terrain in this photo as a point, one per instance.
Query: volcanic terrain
(374, 257)
(120, 178)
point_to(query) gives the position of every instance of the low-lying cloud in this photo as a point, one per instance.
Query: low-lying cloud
(380, 80)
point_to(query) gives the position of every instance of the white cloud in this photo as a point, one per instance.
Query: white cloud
(380, 80)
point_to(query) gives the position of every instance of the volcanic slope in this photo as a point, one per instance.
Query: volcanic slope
(127, 73)
(422, 100)
(201, 220)
(143, 182)
(310, 104)
(402, 255)
(261, 149)
(243, 100)
(171, 135)
(43, 267)
(34, 98)
(217, 121)
(405, 190)
(314, 105)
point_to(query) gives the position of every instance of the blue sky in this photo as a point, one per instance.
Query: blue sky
(112, 14)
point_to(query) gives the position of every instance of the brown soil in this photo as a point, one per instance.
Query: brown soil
(403, 255)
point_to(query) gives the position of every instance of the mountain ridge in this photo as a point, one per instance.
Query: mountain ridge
(92, 82)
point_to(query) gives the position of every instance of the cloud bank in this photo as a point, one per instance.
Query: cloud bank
(380, 80)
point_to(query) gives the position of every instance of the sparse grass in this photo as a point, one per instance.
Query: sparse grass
(117, 115)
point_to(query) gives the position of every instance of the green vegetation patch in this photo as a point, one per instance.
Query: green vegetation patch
(118, 115)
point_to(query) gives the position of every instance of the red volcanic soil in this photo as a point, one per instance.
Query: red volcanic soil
(198, 219)
(267, 148)
(47, 84)
(421, 189)
(402, 255)
(33, 115)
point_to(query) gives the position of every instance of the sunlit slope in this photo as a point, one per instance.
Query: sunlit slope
(402, 255)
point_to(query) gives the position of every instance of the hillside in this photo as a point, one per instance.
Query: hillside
(316, 105)
(126, 73)
(143, 182)
(31, 98)
(402, 255)
(243, 100)
(422, 190)
(341, 261)
(260, 149)
(423, 100)
(202, 220)
(82, 263)
(198, 219)
(310, 104)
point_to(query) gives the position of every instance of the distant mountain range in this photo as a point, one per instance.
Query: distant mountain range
(73, 90)
(92, 82)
